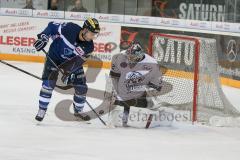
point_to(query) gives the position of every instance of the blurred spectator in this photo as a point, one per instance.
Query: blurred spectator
(164, 8)
(78, 7)
(54, 5)
(29, 5)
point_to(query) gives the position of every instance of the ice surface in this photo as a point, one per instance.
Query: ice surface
(21, 138)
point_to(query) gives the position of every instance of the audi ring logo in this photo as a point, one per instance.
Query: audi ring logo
(232, 50)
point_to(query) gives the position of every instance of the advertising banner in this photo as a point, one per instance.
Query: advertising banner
(139, 20)
(78, 15)
(115, 18)
(48, 14)
(204, 10)
(107, 43)
(16, 12)
(17, 35)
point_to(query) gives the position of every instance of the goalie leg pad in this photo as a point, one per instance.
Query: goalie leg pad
(146, 118)
(142, 117)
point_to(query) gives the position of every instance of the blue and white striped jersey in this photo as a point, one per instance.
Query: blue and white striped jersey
(66, 43)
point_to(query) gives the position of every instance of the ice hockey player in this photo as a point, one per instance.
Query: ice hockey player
(71, 44)
(132, 72)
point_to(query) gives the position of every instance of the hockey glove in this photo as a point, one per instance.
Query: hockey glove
(68, 79)
(41, 42)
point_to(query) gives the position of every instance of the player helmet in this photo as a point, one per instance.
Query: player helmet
(92, 25)
(135, 52)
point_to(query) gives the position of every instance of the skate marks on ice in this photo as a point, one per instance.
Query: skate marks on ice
(62, 109)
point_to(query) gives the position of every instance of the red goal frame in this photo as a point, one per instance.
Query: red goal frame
(196, 64)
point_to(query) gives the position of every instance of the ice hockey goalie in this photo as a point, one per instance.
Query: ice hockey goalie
(134, 76)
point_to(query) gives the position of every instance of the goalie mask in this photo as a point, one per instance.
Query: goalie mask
(135, 52)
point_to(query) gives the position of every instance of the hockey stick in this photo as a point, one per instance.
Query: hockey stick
(30, 74)
(21, 70)
(63, 74)
(96, 113)
(55, 65)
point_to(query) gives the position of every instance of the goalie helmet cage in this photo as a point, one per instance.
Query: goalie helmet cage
(192, 80)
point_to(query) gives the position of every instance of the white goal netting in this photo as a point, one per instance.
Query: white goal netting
(191, 76)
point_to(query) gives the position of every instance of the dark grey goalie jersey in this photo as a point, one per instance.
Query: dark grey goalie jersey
(130, 82)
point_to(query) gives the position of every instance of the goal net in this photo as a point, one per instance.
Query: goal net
(191, 78)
